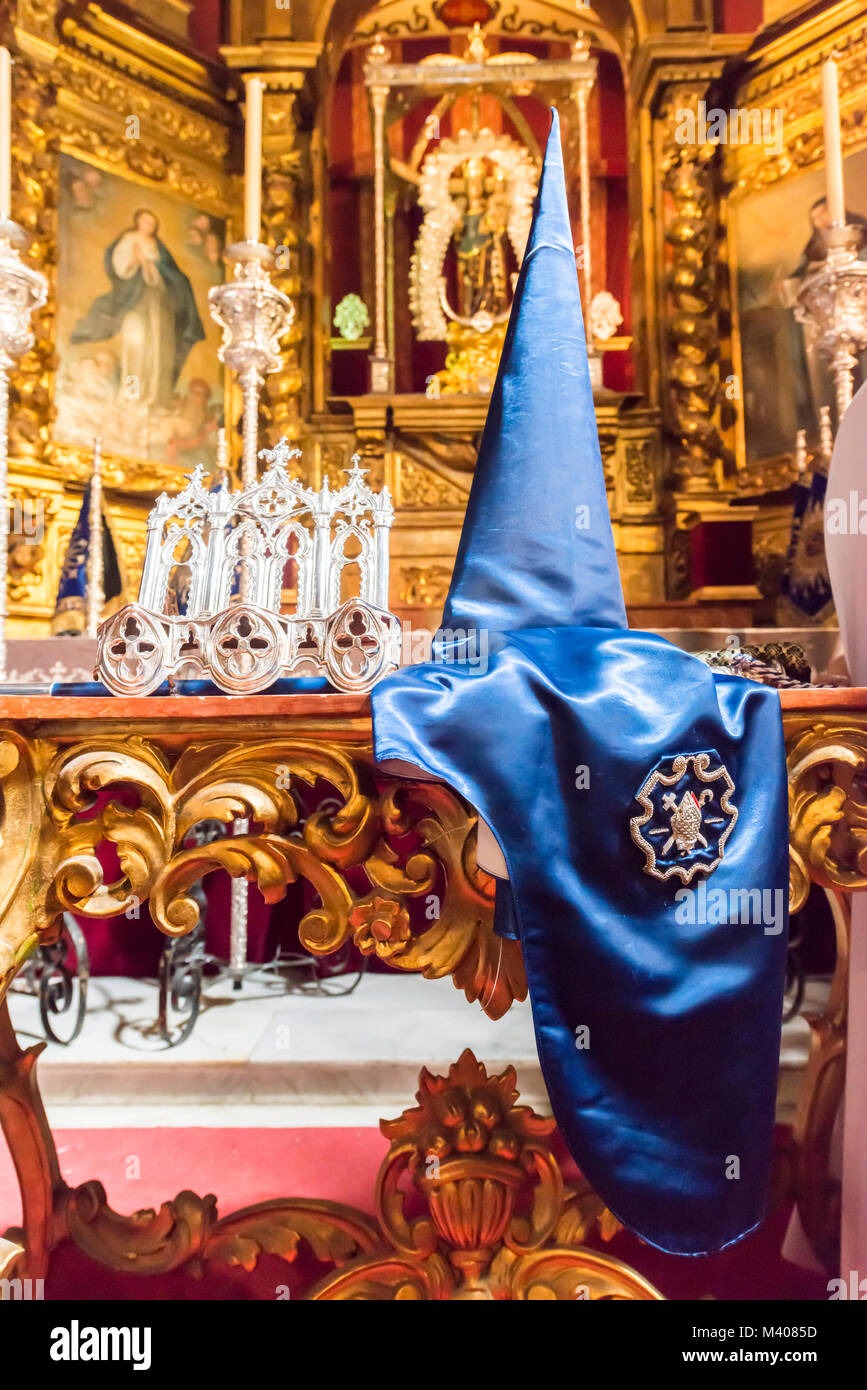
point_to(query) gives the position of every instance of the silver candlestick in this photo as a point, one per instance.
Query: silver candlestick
(254, 316)
(832, 306)
(22, 290)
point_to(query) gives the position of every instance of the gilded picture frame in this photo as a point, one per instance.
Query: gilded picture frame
(771, 220)
(146, 121)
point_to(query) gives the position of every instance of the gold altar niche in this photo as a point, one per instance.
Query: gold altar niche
(476, 189)
(477, 193)
(436, 276)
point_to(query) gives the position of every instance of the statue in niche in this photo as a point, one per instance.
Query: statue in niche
(476, 191)
(480, 242)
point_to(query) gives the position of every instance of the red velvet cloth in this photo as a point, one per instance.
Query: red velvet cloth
(246, 1166)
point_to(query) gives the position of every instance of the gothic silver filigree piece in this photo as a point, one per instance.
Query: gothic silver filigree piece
(233, 548)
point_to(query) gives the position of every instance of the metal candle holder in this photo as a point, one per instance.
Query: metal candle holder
(22, 290)
(254, 316)
(832, 306)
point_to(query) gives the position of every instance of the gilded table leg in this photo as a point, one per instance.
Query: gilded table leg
(24, 1124)
(816, 1190)
(827, 763)
(25, 915)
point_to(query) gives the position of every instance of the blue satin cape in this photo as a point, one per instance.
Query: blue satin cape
(667, 1103)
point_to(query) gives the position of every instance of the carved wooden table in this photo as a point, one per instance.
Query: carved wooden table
(500, 1221)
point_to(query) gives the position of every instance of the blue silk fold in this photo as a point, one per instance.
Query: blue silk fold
(679, 1076)
(658, 1035)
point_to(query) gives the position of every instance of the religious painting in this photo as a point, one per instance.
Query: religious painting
(137, 347)
(779, 239)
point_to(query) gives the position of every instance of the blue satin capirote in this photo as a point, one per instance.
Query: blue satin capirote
(658, 1028)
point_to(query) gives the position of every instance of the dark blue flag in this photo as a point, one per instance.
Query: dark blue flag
(70, 607)
(806, 588)
(638, 797)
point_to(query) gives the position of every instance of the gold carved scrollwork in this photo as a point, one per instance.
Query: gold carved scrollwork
(34, 207)
(133, 793)
(421, 487)
(828, 808)
(498, 1221)
(827, 768)
(424, 586)
(282, 218)
(150, 161)
(639, 471)
(789, 88)
(184, 128)
(188, 1231)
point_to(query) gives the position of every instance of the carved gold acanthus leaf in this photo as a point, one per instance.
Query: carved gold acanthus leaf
(187, 1231)
(827, 808)
(493, 1223)
(494, 1220)
(129, 791)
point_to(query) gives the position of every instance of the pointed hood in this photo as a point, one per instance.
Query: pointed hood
(536, 548)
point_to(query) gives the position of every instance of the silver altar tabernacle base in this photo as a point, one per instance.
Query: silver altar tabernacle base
(235, 547)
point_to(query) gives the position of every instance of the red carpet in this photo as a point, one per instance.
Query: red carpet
(144, 1167)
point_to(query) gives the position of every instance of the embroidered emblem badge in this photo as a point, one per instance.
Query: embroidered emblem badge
(687, 815)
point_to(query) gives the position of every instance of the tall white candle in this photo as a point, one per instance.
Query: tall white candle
(5, 134)
(833, 143)
(253, 160)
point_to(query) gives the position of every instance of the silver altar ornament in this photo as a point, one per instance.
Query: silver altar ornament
(832, 306)
(254, 315)
(236, 547)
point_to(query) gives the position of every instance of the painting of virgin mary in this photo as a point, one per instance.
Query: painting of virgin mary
(150, 306)
(139, 352)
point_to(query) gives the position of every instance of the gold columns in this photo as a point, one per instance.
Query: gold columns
(381, 366)
(690, 292)
(581, 91)
(283, 229)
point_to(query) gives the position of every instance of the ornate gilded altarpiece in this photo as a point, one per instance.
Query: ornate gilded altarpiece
(95, 95)
(127, 105)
